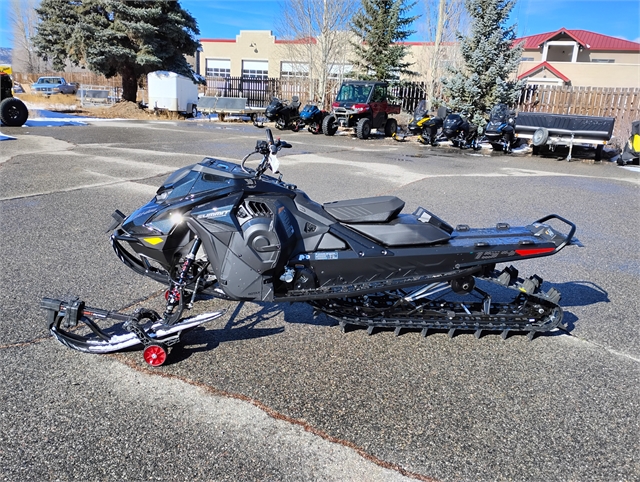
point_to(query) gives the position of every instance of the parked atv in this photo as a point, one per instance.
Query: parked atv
(283, 114)
(13, 112)
(312, 117)
(362, 106)
(500, 131)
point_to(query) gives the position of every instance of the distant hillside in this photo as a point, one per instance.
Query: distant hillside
(5, 55)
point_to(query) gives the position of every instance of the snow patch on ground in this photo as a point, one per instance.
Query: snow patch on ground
(47, 118)
(521, 149)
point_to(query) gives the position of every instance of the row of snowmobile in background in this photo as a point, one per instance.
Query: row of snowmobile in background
(430, 129)
(455, 128)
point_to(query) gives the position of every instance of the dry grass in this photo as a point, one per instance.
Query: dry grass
(57, 99)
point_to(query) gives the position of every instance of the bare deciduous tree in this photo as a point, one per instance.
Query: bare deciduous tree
(441, 21)
(24, 19)
(318, 36)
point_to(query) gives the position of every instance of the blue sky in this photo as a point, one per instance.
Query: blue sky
(225, 18)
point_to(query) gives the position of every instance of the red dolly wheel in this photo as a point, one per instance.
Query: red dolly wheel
(155, 355)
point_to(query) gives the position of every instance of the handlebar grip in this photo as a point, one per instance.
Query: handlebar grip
(285, 144)
(269, 136)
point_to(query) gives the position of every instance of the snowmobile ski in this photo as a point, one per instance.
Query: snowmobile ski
(142, 327)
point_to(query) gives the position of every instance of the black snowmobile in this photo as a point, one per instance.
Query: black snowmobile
(460, 132)
(631, 151)
(236, 233)
(284, 114)
(500, 131)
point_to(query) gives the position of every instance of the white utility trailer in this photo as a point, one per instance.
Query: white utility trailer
(172, 92)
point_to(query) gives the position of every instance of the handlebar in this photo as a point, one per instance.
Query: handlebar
(278, 143)
(267, 149)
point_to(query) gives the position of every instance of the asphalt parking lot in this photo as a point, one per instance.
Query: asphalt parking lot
(272, 393)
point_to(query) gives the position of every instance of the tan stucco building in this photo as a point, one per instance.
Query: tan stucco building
(563, 57)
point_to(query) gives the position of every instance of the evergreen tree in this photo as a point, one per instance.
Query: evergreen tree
(490, 60)
(379, 26)
(110, 37)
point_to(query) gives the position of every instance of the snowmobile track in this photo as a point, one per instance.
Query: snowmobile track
(531, 311)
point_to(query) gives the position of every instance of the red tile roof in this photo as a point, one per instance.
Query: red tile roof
(589, 40)
(549, 67)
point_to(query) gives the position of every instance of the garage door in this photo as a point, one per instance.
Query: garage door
(255, 68)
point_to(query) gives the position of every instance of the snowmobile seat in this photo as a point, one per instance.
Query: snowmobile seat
(406, 229)
(365, 210)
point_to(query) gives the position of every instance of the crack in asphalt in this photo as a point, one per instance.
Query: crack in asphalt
(275, 415)
(211, 390)
(603, 347)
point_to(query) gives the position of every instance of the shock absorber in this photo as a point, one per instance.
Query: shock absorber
(176, 289)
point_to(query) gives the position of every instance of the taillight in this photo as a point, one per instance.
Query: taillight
(335, 104)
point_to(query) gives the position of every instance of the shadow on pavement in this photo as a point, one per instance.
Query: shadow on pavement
(241, 326)
(581, 293)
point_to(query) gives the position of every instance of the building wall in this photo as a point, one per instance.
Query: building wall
(589, 74)
(632, 58)
(262, 45)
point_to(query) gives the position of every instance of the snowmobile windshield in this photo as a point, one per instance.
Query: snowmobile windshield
(356, 93)
(309, 111)
(499, 113)
(420, 111)
(274, 105)
(452, 121)
(187, 181)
